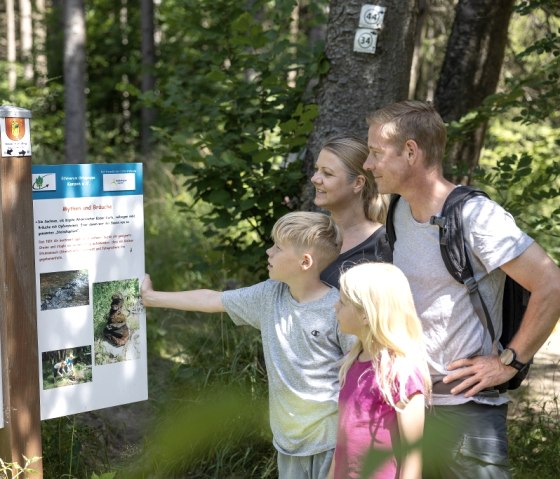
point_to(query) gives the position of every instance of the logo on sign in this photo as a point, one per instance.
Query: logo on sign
(15, 128)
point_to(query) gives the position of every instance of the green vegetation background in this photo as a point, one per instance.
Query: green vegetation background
(230, 117)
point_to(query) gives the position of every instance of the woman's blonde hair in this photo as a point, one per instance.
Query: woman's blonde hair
(394, 339)
(310, 230)
(353, 152)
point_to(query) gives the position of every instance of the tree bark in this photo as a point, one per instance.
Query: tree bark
(26, 38)
(11, 44)
(148, 114)
(470, 72)
(358, 83)
(74, 81)
(40, 40)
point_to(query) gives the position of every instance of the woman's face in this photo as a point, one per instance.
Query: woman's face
(333, 190)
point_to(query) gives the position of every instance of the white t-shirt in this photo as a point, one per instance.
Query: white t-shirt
(451, 327)
(302, 350)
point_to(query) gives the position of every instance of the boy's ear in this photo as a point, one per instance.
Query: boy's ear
(306, 261)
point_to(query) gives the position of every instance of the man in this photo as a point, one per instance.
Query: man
(406, 144)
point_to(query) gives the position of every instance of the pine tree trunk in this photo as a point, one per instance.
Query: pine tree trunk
(26, 38)
(11, 44)
(148, 79)
(74, 81)
(358, 83)
(40, 40)
(470, 72)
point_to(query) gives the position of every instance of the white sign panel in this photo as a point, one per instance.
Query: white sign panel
(372, 16)
(1, 395)
(365, 40)
(89, 262)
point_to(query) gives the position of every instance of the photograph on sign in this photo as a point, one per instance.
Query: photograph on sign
(64, 289)
(66, 367)
(89, 262)
(116, 321)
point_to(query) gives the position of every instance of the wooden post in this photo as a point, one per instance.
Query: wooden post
(21, 435)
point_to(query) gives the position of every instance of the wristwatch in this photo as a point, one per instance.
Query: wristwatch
(509, 358)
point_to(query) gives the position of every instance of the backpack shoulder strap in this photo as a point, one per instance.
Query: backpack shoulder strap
(451, 239)
(453, 248)
(389, 225)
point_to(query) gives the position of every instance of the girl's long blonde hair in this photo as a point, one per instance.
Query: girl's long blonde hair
(380, 293)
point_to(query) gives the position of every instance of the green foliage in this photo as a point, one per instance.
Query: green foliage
(534, 440)
(69, 449)
(12, 470)
(235, 119)
(519, 163)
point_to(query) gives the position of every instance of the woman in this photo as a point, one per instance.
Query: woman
(349, 193)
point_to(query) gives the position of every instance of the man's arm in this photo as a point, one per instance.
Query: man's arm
(536, 272)
(203, 300)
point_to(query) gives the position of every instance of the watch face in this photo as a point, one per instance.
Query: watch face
(506, 357)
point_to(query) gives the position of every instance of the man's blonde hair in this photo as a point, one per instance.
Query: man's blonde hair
(312, 231)
(381, 293)
(413, 120)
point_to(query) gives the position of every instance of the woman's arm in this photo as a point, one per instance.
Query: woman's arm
(410, 419)
(203, 300)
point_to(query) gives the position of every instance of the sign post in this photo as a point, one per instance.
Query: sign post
(21, 435)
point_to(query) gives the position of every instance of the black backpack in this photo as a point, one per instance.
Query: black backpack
(454, 254)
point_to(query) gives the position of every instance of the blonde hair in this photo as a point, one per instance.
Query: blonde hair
(353, 152)
(413, 120)
(380, 292)
(310, 230)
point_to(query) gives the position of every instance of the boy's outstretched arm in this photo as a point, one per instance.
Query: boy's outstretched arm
(203, 300)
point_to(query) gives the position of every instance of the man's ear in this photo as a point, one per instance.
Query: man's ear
(412, 151)
(306, 261)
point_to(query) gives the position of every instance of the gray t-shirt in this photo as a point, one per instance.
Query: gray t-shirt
(302, 351)
(451, 327)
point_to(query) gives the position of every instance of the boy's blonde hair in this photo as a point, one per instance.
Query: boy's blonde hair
(312, 231)
(413, 120)
(381, 293)
(353, 152)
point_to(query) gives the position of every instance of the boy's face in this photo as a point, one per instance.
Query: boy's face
(284, 261)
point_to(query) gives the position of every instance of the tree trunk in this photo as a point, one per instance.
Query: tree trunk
(11, 44)
(26, 33)
(358, 83)
(148, 79)
(74, 81)
(470, 72)
(40, 39)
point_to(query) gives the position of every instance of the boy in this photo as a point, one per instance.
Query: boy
(294, 310)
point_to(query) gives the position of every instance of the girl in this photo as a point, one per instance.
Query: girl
(349, 194)
(384, 378)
